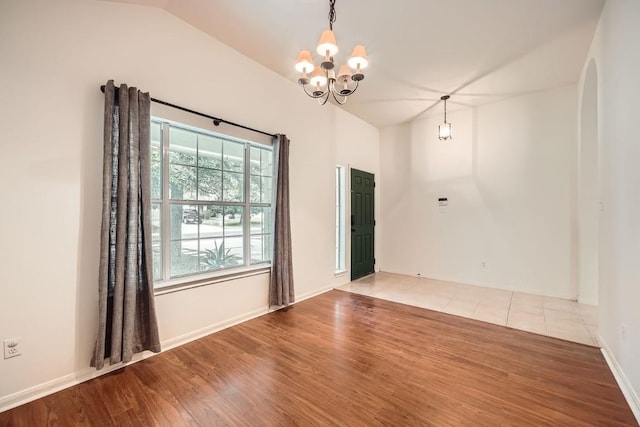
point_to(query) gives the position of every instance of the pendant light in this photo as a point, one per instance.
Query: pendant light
(444, 130)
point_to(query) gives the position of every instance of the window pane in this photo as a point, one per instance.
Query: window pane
(233, 220)
(233, 156)
(267, 162)
(340, 218)
(260, 248)
(211, 254)
(182, 146)
(255, 160)
(156, 180)
(182, 182)
(157, 262)
(211, 225)
(219, 253)
(267, 224)
(233, 187)
(184, 257)
(212, 214)
(260, 189)
(260, 220)
(156, 221)
(234, 252)
(265, 193)
(156, 142)
(254, 188)
(209, 184)
(156, 239)
(184, 222)
(209, 152)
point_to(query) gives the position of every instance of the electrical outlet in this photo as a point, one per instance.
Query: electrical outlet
(623, 331)
(12, 348)
(484, 264)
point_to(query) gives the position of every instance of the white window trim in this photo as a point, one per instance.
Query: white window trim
(196, 281)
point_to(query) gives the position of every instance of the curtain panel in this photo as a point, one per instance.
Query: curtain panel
(127, 320)
(281, 290)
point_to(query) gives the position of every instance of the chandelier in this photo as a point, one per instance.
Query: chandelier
(323, 79)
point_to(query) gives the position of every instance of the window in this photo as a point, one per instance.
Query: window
(211, 203)
(340, 219)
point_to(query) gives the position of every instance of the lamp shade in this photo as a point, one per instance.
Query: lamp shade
(344, 74)
(358, 58)
(318, 78)
(304, 64)
(444, 131)
(327, 43)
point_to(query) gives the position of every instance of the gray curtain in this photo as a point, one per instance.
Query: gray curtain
(281, 292)
(127, 320)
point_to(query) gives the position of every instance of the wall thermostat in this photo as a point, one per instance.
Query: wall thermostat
(443, 202)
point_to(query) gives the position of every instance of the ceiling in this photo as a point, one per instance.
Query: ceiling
(479, 51)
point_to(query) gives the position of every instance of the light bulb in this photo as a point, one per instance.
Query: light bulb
(318, 78)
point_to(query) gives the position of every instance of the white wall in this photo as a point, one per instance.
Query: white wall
(507, 177)
(616, 52)
(54, 55)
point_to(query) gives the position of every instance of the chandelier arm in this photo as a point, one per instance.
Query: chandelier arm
(344, 98)
(326, 97)
(311, 95)
(331, 85)
(354, 89)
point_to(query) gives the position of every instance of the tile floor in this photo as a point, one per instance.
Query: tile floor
(549, 316)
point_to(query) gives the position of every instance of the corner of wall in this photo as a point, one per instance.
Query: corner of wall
(625, 385)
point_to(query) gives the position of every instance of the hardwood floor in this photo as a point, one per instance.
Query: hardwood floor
(348, 359)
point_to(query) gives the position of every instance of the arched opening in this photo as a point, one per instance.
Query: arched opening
(588, 190)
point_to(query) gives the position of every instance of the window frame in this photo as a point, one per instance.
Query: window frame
(168, 283)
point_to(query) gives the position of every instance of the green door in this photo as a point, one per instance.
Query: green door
(362, 224)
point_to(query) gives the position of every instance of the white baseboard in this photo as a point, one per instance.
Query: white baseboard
(208, 330)
(41, 390)
(32, 393)
(623, 382)
(300, 298)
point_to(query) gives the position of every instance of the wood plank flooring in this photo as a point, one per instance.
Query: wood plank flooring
(349, 360)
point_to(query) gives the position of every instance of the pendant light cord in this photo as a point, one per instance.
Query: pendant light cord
(444, 99)
(445, 111)
(332, 13)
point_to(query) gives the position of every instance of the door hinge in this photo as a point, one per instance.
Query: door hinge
(374, 222)
(374, 260)
(374, 184)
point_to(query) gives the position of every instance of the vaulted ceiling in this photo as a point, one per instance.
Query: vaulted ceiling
(478, 51)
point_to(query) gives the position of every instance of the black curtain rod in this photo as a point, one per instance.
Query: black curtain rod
(216, 120)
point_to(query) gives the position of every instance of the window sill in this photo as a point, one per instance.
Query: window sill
(340, 273)
(183, 283)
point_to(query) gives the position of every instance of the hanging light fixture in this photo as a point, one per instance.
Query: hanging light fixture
(444, 130)
(321, 81)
